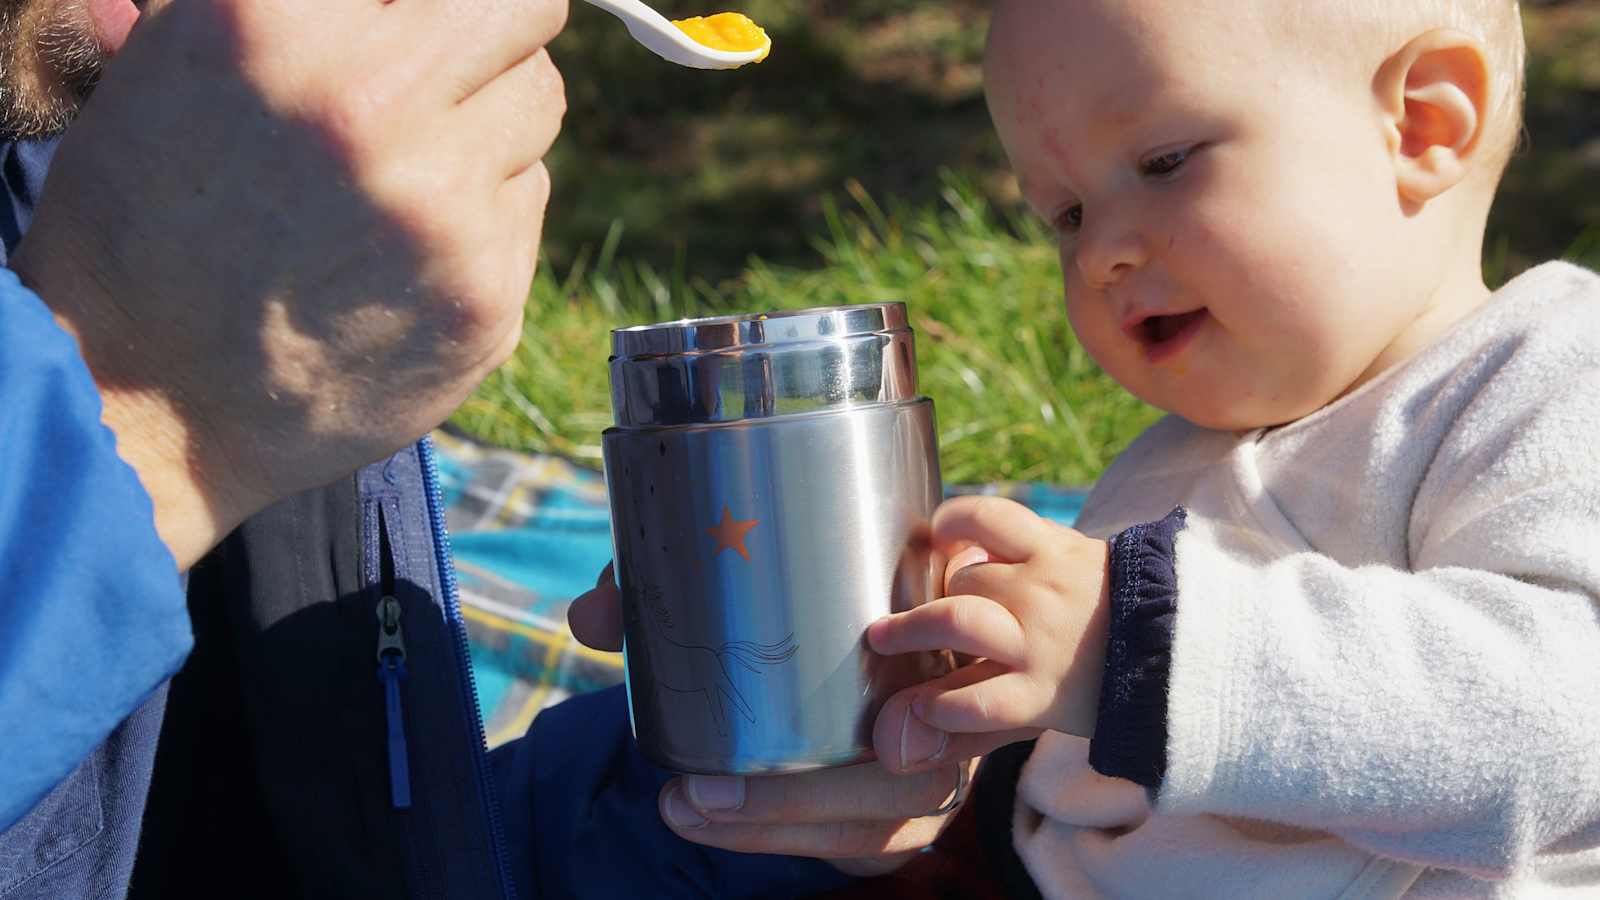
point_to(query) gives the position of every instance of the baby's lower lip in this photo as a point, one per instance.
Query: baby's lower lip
(1166, 336)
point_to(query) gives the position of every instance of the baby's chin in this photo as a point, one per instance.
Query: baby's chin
(1213, 385)
(1219, 409)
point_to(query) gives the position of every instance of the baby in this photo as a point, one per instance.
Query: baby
(1332, 627)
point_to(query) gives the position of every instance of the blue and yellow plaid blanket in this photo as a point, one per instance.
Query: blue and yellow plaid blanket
(529, 533)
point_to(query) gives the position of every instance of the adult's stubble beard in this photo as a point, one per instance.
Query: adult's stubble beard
(50, 60)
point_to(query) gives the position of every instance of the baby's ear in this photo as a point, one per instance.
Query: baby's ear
(1434, 95)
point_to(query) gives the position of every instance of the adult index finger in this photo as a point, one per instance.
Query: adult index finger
(861, 793)
(904, 743)
(820, 840)
(470, 43)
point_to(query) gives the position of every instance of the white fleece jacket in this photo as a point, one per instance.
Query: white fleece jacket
(1386, 665)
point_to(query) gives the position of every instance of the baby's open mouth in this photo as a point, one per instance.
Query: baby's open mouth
(1165, 335)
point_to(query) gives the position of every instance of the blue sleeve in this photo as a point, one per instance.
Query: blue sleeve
(581, 821)
(92, 618)
(1130, 734)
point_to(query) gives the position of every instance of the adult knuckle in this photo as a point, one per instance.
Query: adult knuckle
(510, 338)
(469, 316)
(537, 193)
(348, 113)
(550, 16)
(427, 249)
(550, 86)
(461, 86)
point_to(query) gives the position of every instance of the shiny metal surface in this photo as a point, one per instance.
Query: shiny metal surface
(743, 367)
(754, 550)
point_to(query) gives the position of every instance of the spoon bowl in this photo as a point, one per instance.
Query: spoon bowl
(666, 40)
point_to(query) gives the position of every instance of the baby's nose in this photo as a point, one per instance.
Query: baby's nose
(1108, 254)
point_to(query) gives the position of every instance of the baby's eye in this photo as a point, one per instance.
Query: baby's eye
(1069, 220)
(1164, 163)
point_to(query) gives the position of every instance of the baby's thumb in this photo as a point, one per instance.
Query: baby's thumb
(971, 555)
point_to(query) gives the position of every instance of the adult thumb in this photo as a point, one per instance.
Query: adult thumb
(595, 617)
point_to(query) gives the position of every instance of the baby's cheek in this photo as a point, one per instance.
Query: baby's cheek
(1090, 318)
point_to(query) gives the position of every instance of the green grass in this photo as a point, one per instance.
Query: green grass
(1017, 398)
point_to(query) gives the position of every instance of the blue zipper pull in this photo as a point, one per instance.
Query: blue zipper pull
(391, 671)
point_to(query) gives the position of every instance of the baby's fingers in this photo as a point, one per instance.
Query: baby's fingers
(975, 626)
(1009, 531)
(1006, 700)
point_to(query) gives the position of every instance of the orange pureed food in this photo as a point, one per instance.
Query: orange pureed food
(733, 32)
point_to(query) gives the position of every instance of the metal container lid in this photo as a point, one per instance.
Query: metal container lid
(760, 365)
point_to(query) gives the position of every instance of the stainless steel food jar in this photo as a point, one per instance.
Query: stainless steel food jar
(771, 480)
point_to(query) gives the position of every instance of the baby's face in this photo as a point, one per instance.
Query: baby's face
(1228, 215)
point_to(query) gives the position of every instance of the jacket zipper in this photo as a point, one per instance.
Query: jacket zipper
(391, 659)
(392, 671)
(469, 685)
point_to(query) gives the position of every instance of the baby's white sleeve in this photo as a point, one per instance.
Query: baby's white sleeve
(1444, 716)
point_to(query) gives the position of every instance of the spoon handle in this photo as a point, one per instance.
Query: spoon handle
(627, 10)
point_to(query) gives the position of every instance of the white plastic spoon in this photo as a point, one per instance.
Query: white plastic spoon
(668, 41)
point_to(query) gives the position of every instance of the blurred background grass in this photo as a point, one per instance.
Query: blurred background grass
(858, 164)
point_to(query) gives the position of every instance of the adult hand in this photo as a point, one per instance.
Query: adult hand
(863, 819)
(291, 237)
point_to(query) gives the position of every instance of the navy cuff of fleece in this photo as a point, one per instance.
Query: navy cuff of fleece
(1130, 734)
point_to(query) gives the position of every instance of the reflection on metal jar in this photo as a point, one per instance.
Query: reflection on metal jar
(771, 478)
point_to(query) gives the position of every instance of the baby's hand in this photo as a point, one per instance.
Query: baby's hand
(1031, 599)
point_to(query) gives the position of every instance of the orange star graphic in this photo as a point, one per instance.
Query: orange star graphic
(730, 533)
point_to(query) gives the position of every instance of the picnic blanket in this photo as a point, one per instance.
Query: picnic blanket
(529, 533)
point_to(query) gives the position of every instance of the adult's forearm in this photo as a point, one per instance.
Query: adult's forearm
(153, 434)
(152, 437)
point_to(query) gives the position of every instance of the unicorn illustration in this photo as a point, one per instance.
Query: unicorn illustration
(698, 669)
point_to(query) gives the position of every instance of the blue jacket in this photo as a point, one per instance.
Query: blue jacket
(289, 756)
